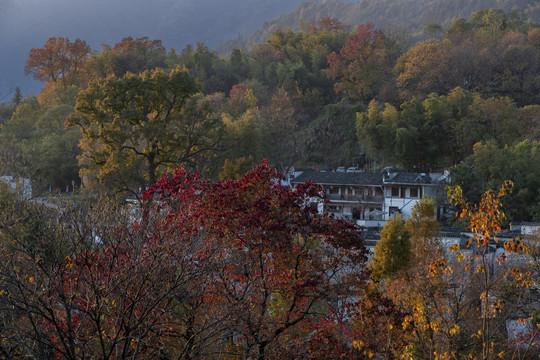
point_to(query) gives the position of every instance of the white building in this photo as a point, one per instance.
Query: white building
(370, 199)
(20, 186)
(403, 190)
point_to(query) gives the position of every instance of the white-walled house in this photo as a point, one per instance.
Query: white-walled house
(527, 228)
(403, 190)
(370, 199)
(352, 196)
(21, 186)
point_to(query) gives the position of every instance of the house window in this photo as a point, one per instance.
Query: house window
(402, 192)
(414, 192)
(395, 191)
(357, 213)
(334, 190)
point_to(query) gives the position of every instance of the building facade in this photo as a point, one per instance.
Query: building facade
(369, 199)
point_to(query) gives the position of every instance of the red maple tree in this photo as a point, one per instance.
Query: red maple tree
(277, 265)
(233, 269)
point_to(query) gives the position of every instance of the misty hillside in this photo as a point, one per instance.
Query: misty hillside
(26, 24)
(413, 14)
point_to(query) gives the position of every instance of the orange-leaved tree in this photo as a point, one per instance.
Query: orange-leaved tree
(59, 60)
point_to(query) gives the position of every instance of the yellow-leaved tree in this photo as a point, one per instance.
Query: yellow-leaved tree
(457, 302)
(496, 274)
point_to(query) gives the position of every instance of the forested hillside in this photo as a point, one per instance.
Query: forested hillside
(327, 95)
(413, 16)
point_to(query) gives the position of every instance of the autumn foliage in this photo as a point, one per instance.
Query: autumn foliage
(234, 269)
(276, 266)
(57, 60)
(360, 66)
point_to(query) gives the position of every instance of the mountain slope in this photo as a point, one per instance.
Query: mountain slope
(413, 14)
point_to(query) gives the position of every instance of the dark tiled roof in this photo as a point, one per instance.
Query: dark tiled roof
(339, 178)
(408, 178)
(508, 234)
(456, 231)
(451, 230)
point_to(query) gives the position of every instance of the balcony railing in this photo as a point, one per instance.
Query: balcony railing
(355, 198)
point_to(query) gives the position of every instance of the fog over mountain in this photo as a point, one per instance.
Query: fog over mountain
(26, 24)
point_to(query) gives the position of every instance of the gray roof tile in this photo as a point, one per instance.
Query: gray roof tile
(408, 178)
(339, 178)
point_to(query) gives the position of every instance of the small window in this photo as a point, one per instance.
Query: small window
(357, 213)
(395, 191)
(414, 192)
(403, 190)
